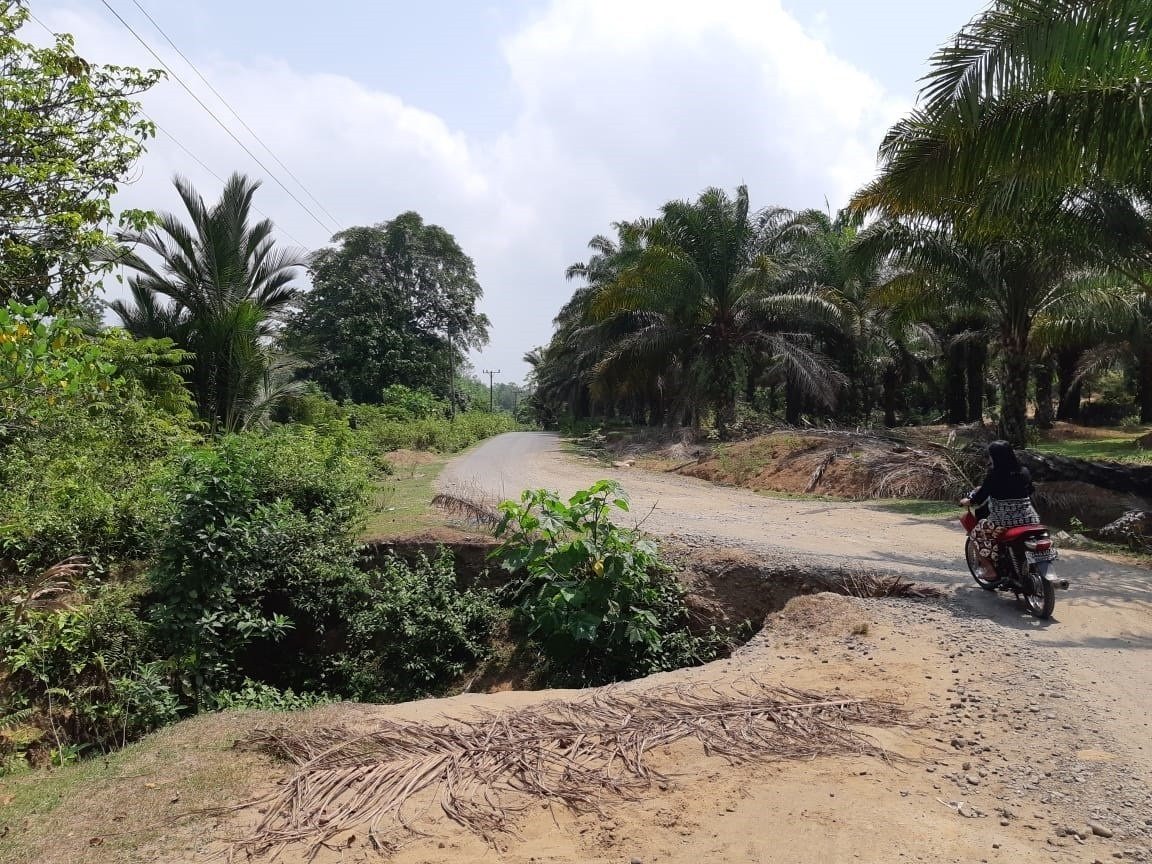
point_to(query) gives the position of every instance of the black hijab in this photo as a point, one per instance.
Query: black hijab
(1007, 478)
(1004, 460)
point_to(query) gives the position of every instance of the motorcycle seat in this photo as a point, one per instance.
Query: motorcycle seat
(1010, 535)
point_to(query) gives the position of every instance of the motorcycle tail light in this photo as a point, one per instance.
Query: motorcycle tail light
(1038, 545)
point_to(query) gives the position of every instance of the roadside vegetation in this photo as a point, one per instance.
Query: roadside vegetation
(184, 494)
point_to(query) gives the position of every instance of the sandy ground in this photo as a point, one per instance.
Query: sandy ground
(1003, 760)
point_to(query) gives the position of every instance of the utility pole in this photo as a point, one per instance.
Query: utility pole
(491, 389)
(451, 375)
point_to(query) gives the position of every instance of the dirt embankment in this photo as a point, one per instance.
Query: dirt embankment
(842, 465)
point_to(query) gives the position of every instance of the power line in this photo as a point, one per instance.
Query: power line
(235, 113)
(183, 147)
(220, 179)
(212, 114)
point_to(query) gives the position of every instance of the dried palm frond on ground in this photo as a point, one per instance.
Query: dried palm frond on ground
(469, 509)
(822, 466)
(482, 772)
(862, 583)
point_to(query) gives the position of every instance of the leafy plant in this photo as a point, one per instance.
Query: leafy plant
(90, 425)
(75, 661)
(594, 594)
(415, 631)
(72, 130)
(44, 359)
(260, 542)
(403, 403)
(255, 696)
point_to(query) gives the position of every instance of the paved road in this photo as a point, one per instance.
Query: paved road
(1102, 627)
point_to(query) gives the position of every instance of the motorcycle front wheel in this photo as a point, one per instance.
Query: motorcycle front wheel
(1041, 597)
(973, 558)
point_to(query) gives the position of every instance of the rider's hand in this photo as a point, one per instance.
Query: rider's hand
(965, 502)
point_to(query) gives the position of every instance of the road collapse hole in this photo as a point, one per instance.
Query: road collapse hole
(728, 592)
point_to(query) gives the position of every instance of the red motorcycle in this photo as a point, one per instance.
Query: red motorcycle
(1022, 567)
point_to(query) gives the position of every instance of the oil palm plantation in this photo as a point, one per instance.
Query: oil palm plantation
(876, 346)
(217, 286)
(701, 285)
(1031, 99)
(1014, 281)
(1115, 318)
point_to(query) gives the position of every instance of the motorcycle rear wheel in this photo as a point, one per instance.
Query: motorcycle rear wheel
(973, 558)
(1041, 598)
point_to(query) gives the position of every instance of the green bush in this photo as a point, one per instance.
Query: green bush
(309, 407)
(255, 696)
(595, 595)
(94, 486)
(382, 433)
(261, 539)
(75, 662)
(88, 425)
(403, 403)
(414, 631)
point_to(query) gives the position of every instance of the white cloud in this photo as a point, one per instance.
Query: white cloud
(621, 106)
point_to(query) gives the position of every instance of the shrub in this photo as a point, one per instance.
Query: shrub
(87, 428)
(91, 487)
(260, 543)
(255, 696)
(310, 407)
(257, 581)
(594, 594)
(403, 403)
(381, 433)
(414, 631)
(76, 663)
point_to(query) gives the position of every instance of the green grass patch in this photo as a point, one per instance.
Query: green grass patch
(114, 807)
(404, 500)
(1119, 449)
(803, 496)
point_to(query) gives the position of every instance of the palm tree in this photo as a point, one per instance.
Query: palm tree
(700, 285)
(1032, 98)
(218, 291)
(873, 344)
(1116, 320)
(1014, 281)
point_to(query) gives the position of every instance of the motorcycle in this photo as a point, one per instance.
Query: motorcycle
(1022, 567)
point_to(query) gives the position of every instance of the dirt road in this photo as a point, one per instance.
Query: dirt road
(1101, 633)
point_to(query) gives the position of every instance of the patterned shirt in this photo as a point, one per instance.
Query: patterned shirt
(1012, 512)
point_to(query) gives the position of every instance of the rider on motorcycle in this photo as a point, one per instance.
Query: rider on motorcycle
(1007, 489)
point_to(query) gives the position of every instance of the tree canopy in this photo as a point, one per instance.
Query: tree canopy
(70, 131)
(393, 303)
(1031, 99)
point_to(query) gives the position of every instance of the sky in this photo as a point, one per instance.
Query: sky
(524, 127)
